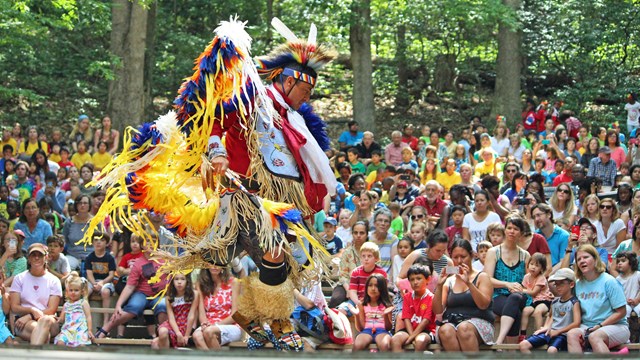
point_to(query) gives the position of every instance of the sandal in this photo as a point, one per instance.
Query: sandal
(101, 331)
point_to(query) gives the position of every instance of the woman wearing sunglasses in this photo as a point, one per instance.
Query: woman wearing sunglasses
(563, 204)
(611, 229)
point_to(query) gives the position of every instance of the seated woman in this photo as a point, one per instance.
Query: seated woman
(466, 300)
(219, 300)
(35, 296)
(604, 324)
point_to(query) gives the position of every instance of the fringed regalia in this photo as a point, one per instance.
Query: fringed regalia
(278, 173)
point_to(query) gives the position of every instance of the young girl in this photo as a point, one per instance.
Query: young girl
(75, 314)
(405, 247)
(460, 156)
(364, 207)
(5, 305)
(418, 234)
(374, 315)
(495, 234)
(629, 277)
(536, 286)
(180, 312)
(344, 230)
(12, 260)
(430, 171)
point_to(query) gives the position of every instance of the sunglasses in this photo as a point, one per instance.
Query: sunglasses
(566, 191)
(413, 217)
(608, 207)
(510, 171)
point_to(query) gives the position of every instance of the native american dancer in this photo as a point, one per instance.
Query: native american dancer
(236, 167)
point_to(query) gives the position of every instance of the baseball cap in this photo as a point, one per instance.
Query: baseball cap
(402, 184)
(19, 232)
(39, 248)
(583, 221)
(604, 150)
(406, 168)
(331, 221)
(563, 274)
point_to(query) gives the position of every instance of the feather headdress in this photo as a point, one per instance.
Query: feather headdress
(310, 56)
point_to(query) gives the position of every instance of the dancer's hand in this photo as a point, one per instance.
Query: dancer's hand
(210, 169)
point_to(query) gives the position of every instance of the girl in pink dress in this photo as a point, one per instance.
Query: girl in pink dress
(182, 306)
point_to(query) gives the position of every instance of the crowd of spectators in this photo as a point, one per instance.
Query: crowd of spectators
(432, 236)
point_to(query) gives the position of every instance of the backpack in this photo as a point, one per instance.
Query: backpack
(338, 326)
(310, 322)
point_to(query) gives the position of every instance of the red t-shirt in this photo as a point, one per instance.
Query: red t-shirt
(129, 259)
(418, 309)
(562, 178)
(143, 270)
(359, 277)
(538, 244)
(437, 208)
(412, 141)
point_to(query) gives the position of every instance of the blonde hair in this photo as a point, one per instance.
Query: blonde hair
(426, 175)
(589, 249)
(586, 200)
(74, 279)
(372, 248)
(569, 204)
(614, 210)
(494, 227)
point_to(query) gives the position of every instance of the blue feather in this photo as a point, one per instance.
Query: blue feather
(316, 126)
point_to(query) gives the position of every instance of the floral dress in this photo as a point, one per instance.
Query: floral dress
(4, 331)
(75, 331)
(181, 310)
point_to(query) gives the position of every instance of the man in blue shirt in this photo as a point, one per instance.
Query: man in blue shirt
(53, 192)
(557, 238)
(350, 138)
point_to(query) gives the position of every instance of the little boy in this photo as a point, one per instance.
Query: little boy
(356, 166)
(419, 321)
(333, 244)
(58, 263)
(64, 158)
(101, 268)
(376, 164)
(369, 256)
(455, 231)
(565, 314)
(397, 224)
(483, 247)
(407, 159)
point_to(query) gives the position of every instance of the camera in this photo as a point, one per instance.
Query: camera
(405, 177)
(452, 270)
(523, 201)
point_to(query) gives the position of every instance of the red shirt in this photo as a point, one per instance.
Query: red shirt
(562, 178)
(538, 244)
(142, 271)
(129, 259)
(418, 309)
(359, 277)
(412, 141)
(437, 208)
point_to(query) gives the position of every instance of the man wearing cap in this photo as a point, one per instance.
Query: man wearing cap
(556, 237)
(333, 244)
(603, 167)
(586, 235)
(35, 296)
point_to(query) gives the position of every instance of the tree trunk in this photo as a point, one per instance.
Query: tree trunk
(445, 73)
(128, 43)
(269, 27)
(149, 60)
(402, 97)
(360, 45)
(506, 100)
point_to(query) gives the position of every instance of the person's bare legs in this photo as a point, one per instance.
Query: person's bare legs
(574, 341)
(383, 342)
(163, 339)
(362, 342)
(106, 303)
(421, 342)
(115, 322)
(505, 325)
(526, 314)
(539, 315)
(41, 333)
(468, 337)
(198, 339)
(448, 338)
(599, 341)
(397, 341)
(211, 334)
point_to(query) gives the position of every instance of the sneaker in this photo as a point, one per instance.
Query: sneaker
(623, 351)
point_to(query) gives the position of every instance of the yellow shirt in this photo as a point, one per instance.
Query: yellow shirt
(484, 168)
(31, 148)
(55, 157)
(447, 181)
(101, 160)
(11, 142)
(80, 159)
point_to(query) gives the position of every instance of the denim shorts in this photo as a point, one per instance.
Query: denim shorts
(375, 332)
(138, 303)
(559, 342)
